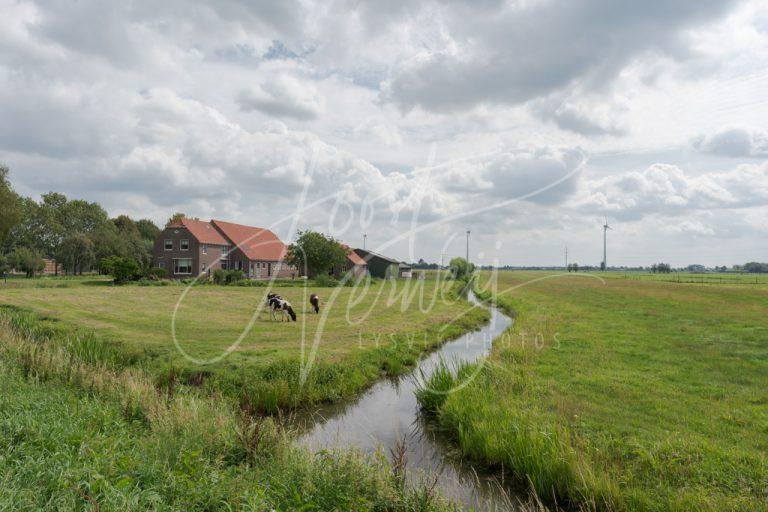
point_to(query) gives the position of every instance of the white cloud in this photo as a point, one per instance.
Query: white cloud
(664, 189)
(734, 142)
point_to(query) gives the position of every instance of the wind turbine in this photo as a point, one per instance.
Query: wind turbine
(606, 227)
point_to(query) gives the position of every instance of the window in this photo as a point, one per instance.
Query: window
(182, 266)
(204, 249)
(224, 264)
(184, 245)
(202, 267)
(238, 265)
(161, 264)
(168, 244)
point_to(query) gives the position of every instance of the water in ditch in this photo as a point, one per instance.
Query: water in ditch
(388, 414)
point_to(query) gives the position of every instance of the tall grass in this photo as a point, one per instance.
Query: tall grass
(433, 387)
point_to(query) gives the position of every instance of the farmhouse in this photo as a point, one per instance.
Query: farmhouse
(188, 248)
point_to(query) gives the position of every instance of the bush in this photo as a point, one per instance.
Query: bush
(233, 276)
(156, 273)
(219, 276)
(121, 269)
(326, 281)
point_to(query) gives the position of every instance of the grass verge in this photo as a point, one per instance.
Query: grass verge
(623, 395)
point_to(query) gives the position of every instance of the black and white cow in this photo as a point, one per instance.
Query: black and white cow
(276, 303)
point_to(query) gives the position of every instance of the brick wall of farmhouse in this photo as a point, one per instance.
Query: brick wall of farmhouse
(168, 249)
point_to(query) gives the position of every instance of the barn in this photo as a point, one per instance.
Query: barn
(378, 265)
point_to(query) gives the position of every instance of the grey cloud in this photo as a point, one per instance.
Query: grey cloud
(283, 96)
(540, 175)
(575, 118)
(734, 142)
(536, 48)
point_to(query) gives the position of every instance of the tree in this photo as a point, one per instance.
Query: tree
(148, 229)
(177, 217)
(133, 245)
(121, 269)
(75, 253)
(460, 268)
(754, 267)
(5, 267)
(316, 252)
(10, 207)
(107, 242)
(78, 216)
(28, 260)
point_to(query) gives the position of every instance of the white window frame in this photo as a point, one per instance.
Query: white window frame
(176, 267)
(204, 249)
(161, 264)
(181, 244)
(165, 244)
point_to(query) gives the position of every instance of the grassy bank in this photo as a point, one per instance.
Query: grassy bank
(623, 394)
(360, 335)
(82, 435)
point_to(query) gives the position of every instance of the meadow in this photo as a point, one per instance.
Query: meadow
(222, 339)
(621, 394)
(78, 434)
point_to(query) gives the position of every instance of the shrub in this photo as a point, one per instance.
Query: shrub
(219, 276)
(324, 280)
(156, 273)
(234, 276)
(121, 269)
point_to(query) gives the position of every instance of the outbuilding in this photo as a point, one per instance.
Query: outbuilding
(378, 265)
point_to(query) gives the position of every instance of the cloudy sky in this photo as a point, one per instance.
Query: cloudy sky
(525, 121)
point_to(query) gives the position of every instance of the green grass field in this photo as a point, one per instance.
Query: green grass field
(624, 394)
(360, 335)
(76, 435)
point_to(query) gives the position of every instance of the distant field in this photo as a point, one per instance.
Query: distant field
(690, 278)
(361, 334)
(629, 394)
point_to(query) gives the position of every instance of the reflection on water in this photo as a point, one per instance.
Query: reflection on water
(388, 413)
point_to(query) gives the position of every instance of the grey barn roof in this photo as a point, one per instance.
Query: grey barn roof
(366, 255)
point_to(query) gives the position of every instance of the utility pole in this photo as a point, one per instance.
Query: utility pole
(364, 237)
(566, 257)
(467, 246)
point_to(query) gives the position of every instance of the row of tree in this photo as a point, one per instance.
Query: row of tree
(77, 234)
(661, 268)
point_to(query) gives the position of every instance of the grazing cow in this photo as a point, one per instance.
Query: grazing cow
(272, 303)
(277, 304)
(315, 301)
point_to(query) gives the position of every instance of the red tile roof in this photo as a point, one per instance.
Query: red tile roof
(256, 243)
(204, 232)
(353, 257)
